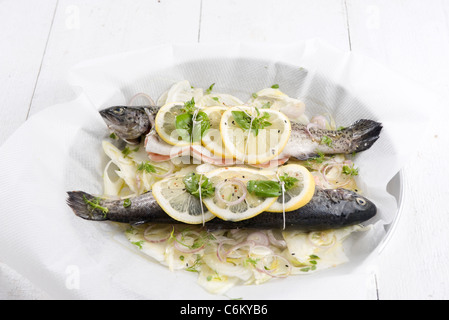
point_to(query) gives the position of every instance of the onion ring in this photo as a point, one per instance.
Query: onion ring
(230, 182)
(270, 272)
(147, 238)
(183, 248)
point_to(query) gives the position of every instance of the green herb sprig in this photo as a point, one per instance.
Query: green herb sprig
(209, 90)
(268, 188)
(127, 151)
(185, 126)
(247, 122)
(94, 204)
(264, 188)
(350, 171)
(189, 106)
(326, 140)
(138, 244)
(147, 167)
(289, 182)
(127, 203)
(192, 183)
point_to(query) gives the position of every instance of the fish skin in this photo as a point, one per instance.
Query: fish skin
(131, 123)
(328, 209)
(309, 143)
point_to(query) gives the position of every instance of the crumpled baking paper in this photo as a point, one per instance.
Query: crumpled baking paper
(59, 150)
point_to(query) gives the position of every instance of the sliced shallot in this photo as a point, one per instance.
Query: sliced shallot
(231, 182)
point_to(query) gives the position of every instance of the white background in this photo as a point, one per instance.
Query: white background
(41, 39)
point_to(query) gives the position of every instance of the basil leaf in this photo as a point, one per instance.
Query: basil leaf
(184, 126)
(268, 188)
(264, 188)
(242, 119)
(204, 122)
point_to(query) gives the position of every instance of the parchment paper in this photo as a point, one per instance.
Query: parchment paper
(59, 150)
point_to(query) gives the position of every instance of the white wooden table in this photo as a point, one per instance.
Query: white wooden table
(41, 39)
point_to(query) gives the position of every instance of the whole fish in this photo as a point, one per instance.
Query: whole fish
(130, 123)
(305, 142)
(328, 209)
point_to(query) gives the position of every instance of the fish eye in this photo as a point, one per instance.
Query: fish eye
(361, 201)
(119, 111)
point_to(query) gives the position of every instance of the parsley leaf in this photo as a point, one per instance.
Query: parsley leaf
(94, 204)
(146, 166)
(244, 120)
(209, 90)
(127, 203)
(289, 182)
(189, 106)
(351, 171)
(192, 183)
(326, 140)
(138, 244)
(127, 151)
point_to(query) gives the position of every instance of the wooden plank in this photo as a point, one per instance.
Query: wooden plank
(274, 21)
(25, 26)
(87, 29)
(411, 37)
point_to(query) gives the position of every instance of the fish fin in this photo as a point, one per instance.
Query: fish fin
(365, 134)
(79, 202)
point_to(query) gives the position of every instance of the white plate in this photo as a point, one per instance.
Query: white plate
(59, 150)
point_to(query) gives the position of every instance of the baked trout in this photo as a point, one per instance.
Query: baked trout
(305, 142)
(328, 209)
(130, 123)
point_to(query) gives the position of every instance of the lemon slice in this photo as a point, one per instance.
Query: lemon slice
(212, 138)
(302, 191)
(165, 124)
(232, 202)
(244, 144)
(171, 195)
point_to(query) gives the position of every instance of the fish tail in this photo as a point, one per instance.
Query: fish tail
(365, 134)
(81, 204)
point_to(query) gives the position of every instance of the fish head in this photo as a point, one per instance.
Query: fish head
(128, 123)
(353, 204)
